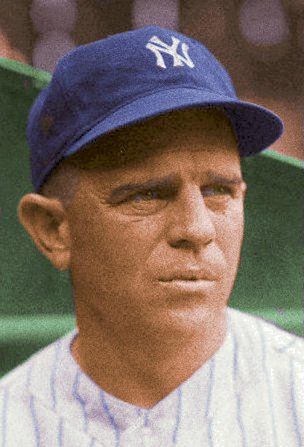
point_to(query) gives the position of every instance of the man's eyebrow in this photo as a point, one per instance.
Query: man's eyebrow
(228, 179)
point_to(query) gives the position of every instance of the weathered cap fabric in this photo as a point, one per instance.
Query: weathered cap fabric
(129, 77)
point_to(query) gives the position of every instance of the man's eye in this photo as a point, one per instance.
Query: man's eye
(216, 190)
(144, 203)
(145, 196)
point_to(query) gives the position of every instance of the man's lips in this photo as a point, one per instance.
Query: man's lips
(190, 275)
(186, 284)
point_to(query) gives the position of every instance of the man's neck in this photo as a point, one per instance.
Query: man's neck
(144, 373)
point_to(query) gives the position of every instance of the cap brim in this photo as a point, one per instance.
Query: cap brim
(256, 127)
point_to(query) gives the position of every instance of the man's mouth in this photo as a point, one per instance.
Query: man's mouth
(189, 284)
(189, 276)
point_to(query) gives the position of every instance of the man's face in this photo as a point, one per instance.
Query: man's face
(156, 243)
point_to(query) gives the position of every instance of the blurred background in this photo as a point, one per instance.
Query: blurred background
(260, 42)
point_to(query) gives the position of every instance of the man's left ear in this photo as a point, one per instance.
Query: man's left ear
(244, 190)
(45, 220)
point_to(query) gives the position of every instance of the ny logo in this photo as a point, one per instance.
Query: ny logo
(157, 46)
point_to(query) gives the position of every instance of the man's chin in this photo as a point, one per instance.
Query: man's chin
(187, 322)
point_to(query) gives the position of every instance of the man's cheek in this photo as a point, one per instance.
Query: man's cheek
(230, 227)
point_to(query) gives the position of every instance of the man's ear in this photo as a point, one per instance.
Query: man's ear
(45, 220)
(244, 190)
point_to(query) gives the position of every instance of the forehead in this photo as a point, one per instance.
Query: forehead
(190, 129)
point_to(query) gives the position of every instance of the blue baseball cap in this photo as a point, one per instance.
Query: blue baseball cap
(129, 77)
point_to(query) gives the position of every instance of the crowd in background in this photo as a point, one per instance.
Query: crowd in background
(260, 42)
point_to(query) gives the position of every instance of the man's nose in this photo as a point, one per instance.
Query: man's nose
(191, 225)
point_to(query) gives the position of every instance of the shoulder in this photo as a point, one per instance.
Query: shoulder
(17, 383)
(16, 401)
(15, 393)
(264, 339)
(27, 393)
(18, 376)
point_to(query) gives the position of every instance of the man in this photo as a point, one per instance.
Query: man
(135, 155)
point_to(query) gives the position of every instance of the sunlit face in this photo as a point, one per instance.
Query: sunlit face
(156, 243)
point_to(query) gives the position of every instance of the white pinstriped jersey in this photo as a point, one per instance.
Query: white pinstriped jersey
(250, 393)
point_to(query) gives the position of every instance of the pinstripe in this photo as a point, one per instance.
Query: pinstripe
(110, 417)
(32, 405)
(35, 422)
(291, 343)
(29, 375)
(4, 415)
(80, 399)
(178, 416)
(210, 389)
(60, 433)
(238, 399)
(147, 412)
(293, 400)
(266, 374)
(53, 373)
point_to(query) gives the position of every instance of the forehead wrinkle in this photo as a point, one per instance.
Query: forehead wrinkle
(153, 164)
(136, 144)
(149, 163)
